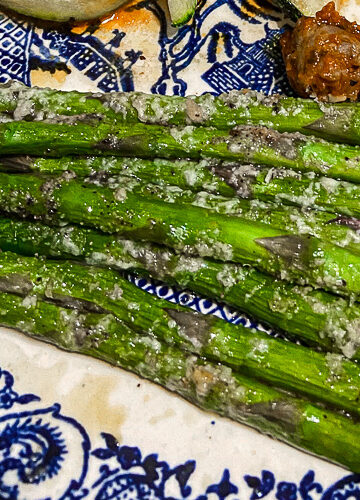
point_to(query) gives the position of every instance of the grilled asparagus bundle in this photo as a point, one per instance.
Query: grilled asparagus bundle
(198, 193)
(212, 386)
(304, 313)
(323, 377)
(185, 227)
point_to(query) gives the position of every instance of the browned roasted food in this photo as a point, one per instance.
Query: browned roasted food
(322, 56)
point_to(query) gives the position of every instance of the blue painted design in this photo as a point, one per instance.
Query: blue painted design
(41, 446)
(307, 485)
(348, 487)
(8, 397)
(135, 477)
(15, 37)
(198, 304)
(286, 491)
(261, 487)
(34, 446)
(247, 65)
(224, 488)
(24, 47)
(86, 53)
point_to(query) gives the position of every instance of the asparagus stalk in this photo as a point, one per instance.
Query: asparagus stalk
(261, 186)
(242, 144)
(318, 192)
(330, 379)
(286, 114)
(186, 228)
(258, 145)
(226, 180)
(209, 386)
(185, 174)
(314, 316)
(138, 139)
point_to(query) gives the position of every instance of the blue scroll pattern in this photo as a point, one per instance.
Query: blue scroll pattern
(199, 304)
(40, 446)
(37, 446)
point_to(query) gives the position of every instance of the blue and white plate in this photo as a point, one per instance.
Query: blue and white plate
(72, 427)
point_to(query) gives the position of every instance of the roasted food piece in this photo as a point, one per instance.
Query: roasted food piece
(322, 56)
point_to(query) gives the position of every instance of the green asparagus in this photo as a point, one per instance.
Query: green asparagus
(339, 122)
(186, 228)
(269, 190)
(201, 224)
(241, 144)
(314, 316)
(209, 386)
(327, 378)
(321, 193)
(185, 174)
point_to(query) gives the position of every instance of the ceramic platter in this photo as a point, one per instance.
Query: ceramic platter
(72, 427)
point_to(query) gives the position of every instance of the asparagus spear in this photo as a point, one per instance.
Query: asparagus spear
(258, 145)
(185, 174)
(318, 192)
(261, 186)
(314, 316)
(226, 180)
(241, 144)
(286, 114)
(209, 386)
(331, 379)
(186, 228)
(147, 141)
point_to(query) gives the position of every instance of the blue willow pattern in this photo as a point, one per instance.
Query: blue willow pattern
(25, 47)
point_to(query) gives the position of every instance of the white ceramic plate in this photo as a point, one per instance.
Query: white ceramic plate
(72, 427)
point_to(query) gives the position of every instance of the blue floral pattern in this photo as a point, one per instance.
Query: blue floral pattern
(42, 445)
